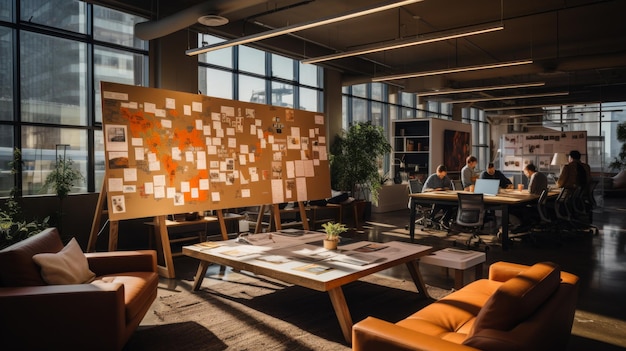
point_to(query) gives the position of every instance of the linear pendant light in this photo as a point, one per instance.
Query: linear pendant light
(302, 26)
(425, 39)
(477, 89)
(451, 70)
(560, 93)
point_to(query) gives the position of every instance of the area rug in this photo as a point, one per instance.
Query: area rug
(241, 311)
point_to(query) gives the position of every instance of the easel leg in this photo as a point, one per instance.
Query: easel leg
(303, 217)
(161, 230)
(113, 235)
(220, 217)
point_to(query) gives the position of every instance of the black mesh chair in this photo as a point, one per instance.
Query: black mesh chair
(470, 216)
(422, 212)
(547, 223)
(457, 185)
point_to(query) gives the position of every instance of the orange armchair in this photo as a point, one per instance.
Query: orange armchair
(97, 316)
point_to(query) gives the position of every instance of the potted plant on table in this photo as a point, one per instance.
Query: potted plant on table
(333, 230)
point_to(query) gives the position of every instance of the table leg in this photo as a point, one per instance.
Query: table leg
(458, 279)
(505, 227)
(478, 271)
(199, 277)
(414, 270)
(341, 310)
(412, 220)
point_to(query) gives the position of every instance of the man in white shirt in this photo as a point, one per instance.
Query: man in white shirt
(468, 174)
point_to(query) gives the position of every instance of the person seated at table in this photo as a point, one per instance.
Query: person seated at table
(492, 173)
(537, 181)
(468, 172)
(575, 173)
(527, 215)
(439, 181)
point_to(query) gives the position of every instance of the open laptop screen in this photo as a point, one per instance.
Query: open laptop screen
(487, 186)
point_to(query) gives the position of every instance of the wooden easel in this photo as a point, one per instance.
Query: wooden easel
(164, 245)
(160, 228)
(97, 220)
(275, 214)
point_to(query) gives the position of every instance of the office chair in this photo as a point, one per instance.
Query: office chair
(568, 219)
(471, 215)
(457, 185)
(547, 221)
(422, 212)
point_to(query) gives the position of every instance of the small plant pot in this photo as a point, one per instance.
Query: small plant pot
(330, 244)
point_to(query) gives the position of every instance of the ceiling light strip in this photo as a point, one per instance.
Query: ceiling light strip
(425, 39)
(451, 70)
(537, 106)
(477, 89)
(560, 93)
(302, 26)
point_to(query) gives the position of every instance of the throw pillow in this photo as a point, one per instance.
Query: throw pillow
(68, 266)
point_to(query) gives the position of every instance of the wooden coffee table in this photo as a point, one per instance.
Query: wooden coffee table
(302, 261)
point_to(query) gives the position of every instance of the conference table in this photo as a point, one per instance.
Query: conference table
(505, 199)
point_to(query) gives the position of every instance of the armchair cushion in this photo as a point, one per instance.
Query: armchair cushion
(518, 297)
(68, 266)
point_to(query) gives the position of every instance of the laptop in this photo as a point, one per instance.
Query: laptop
(487, 187)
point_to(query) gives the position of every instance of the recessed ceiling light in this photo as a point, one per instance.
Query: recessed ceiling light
(212, 20)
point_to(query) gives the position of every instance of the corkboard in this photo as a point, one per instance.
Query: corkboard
(172, 152)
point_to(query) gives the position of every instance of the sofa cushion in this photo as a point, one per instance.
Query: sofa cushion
(451, 317)
(138, 288)
(518, 298)
(68, 266)
(17, 267)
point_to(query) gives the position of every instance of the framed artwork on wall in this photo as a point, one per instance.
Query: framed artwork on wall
(456, 148)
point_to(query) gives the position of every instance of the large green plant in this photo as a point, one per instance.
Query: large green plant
(354, 160)
(62, 178)
(13, 225)
(619, 163)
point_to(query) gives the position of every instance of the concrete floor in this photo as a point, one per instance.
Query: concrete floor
(600, 262)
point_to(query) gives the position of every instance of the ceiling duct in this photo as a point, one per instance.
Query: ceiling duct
(211, 12)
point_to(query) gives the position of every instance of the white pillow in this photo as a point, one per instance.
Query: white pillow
(68, 266)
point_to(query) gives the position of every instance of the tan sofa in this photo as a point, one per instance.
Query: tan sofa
(517, 308)
(93, 316)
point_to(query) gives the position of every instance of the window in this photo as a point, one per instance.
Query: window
(62, 45)
(66, 15)
(222, 58)
(251, 60)
(53, 82)
(252, 89)
(247, 74)
(6, 74)
(215, 82)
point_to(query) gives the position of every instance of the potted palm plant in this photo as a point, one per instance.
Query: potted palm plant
(333, 230)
